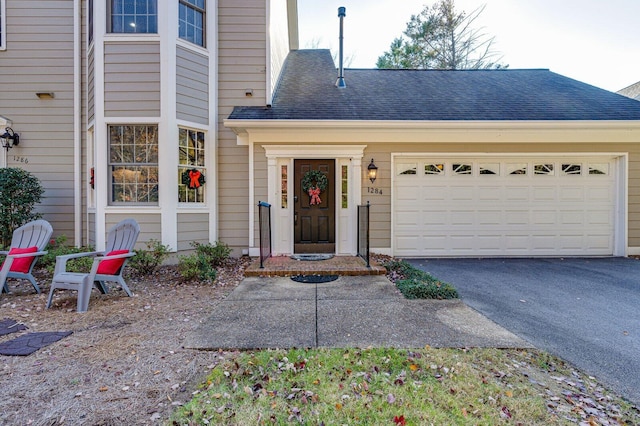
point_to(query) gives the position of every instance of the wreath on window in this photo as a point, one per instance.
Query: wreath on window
(193, 178)
(313, 183)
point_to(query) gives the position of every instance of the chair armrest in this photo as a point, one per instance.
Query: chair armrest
(98, 259)
(35, 253)
(8, 261)
(61, 261)
(4, 252)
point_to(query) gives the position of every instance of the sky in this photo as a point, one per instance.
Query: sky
(594, 41)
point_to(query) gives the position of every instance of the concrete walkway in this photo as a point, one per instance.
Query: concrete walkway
(353, 311)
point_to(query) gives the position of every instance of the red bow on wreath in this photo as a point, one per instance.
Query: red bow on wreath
(314, 193)
(194, 179)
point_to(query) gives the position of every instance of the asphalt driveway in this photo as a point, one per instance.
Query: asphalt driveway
(586, 311)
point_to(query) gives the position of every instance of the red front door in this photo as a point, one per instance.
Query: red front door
(314, 214)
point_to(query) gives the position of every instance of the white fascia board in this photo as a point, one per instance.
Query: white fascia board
(441, 131)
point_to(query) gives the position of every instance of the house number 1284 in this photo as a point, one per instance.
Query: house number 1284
(19, 159)
(371, 190)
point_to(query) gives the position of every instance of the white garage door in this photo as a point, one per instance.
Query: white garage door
(504, 206)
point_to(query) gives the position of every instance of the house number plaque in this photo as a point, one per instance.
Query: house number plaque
(371, 190)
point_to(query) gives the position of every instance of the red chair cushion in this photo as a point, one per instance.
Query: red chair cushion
(22, 264)
(111, 267)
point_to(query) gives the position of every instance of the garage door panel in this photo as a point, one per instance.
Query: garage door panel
(571, 217)
(489, 217)
(544, 217)
(544, 194)
(517, 193)
(572, 193)
(489, 193)
(515, 217)
(462, 193)
(407, 218)
(547, 213)
(436, 218)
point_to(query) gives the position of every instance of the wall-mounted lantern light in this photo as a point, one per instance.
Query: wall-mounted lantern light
(372, 171)
(9, 138)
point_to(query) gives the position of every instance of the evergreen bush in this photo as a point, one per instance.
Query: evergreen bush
(20, 191)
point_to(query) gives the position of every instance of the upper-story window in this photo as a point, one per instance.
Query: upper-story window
(134, 16)
(191, 21)
(3, 22)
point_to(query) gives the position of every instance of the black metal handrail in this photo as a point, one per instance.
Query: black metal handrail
(264, 216)
(363, 232)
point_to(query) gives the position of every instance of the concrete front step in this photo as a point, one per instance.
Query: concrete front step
(283, 266)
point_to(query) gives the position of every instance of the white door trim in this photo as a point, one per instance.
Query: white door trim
(282, 219)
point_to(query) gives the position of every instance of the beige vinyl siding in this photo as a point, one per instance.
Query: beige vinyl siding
(90, 86)
(132, 79)
(242, 41)
(150, 228)
(192, 86)
(192, 227)
(39, 58)
(381, 204)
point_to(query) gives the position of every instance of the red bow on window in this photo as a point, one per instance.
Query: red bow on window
(194, 179)
(314, 193)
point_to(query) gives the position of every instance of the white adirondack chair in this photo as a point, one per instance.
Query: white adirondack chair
(107, 265)
(27, 245)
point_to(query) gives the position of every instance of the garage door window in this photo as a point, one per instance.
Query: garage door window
(433, 169)
(571, 169)
(490, 169)
(598, 169)
(461, 169)
(517, 168)
(407, 169)
(543, 169)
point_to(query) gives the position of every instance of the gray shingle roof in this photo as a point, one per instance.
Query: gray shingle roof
(306, 91)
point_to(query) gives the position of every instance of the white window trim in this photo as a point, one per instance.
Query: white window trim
(3, 24)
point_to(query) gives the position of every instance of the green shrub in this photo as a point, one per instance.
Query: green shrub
(426, 289)
(146, 261)
(416, 284)
(202, 264)
(20, 191)
(217, 253)
(58, 247)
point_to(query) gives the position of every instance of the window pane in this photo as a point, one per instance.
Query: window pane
(461, 169)
(191, 21)
(543, 169)
(517, 169)
(571, 169)
(407, 169)
(134, 16)
(133, 164)
(191, 172)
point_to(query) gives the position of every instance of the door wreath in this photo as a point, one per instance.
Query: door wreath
(193, 178)
(313, 183)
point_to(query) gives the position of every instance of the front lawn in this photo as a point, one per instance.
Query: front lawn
(400, 387)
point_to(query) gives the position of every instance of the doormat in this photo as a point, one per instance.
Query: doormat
(311, 256)
(314, 279)
(31, 342)
(8, 326)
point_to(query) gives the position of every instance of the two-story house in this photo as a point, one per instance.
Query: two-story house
(184, 114)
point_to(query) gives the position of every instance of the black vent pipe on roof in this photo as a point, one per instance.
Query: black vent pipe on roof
(342, 12)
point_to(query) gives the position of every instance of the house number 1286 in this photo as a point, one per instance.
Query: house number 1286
(371, 190)
(18, 159)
